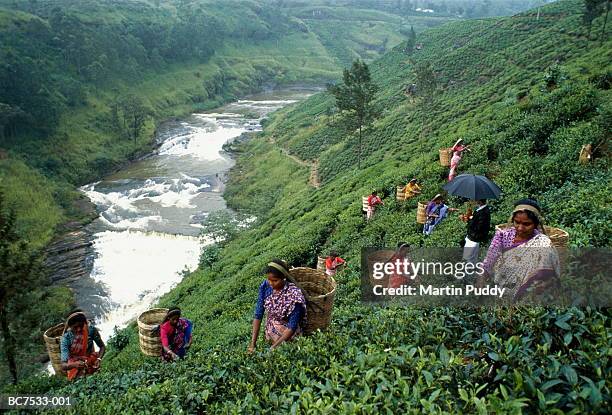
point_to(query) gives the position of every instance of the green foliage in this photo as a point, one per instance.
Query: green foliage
(592, 9)
(410, 40)
(209, 254)
(222, 226)
(119, 340)
(20, 270)
(133, 114)
(354, 98)
(426, 80)
(395, 359)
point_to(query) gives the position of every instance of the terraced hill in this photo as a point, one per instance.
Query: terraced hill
(66, 66)
(494, 90)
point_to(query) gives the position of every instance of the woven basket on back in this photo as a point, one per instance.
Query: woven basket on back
(364, 203)
(53, 337)
(320, 290)
(399, 193)
(381, 257)
(421, 216)
(445, 156)
(558, 237)
(150, 343)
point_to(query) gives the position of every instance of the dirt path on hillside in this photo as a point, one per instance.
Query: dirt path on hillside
(313, 180)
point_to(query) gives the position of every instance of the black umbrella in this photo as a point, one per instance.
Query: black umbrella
(472, 187)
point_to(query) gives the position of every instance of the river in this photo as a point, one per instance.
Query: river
(150, 213)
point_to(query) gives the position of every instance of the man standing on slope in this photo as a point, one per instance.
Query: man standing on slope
(478, 226)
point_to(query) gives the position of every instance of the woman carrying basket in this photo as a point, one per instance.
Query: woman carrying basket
(522, 258)
(175, 333)
(77, 350)
(285, 304)
(412, 189)
(373, 202)
(457, 150)
(332, 263)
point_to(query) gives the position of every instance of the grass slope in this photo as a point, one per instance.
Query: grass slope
(393, 359)
(38, 172)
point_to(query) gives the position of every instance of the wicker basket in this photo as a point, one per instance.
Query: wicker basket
(445, 156)
(558, 237)
(364, 203)
(378, 256)
(53, 337)
(320, 290)
(150, 343)
(321, 264)
(399, 193)
(421, 216)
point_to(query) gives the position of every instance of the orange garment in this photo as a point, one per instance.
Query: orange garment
(332, 264)
(78, 352)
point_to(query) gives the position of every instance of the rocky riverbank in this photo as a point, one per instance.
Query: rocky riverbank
(69, 256)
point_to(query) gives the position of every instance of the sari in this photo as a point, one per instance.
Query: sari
(440, 210)
(280, 306)
(79, 351)
(331, 265)
(398, 278)
(457, 153)
(373, 201)
(411, 190)
(175, 338)
(530, 266)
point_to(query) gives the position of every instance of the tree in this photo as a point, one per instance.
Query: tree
(592, 9)
(8, 115)
(135, 115)
(20, 270)
(354, 98)
(222, 226)
(426, 80)
(411, 40)
(603, 29)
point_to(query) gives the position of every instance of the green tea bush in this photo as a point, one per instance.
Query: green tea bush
(392, 358)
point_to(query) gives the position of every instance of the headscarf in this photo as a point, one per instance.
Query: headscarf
(71, 319)
(532, 209)
(171, 313)
(280, 268)
(438, 196)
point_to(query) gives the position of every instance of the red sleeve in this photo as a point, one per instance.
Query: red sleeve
(340, 260)
(164, 331)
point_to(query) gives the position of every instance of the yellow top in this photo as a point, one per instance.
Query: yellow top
(411, 189)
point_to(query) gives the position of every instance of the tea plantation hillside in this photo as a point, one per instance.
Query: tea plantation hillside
(526, 93)
(72, 71)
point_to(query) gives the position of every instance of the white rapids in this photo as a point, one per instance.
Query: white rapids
(148, 232)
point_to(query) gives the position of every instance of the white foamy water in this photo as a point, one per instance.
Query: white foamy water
(204, 142)
(151, 212)
(274, 102)
(136, 268)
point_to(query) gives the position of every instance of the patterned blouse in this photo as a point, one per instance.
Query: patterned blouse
(93, 335)
(502, 240)
(265, 290)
